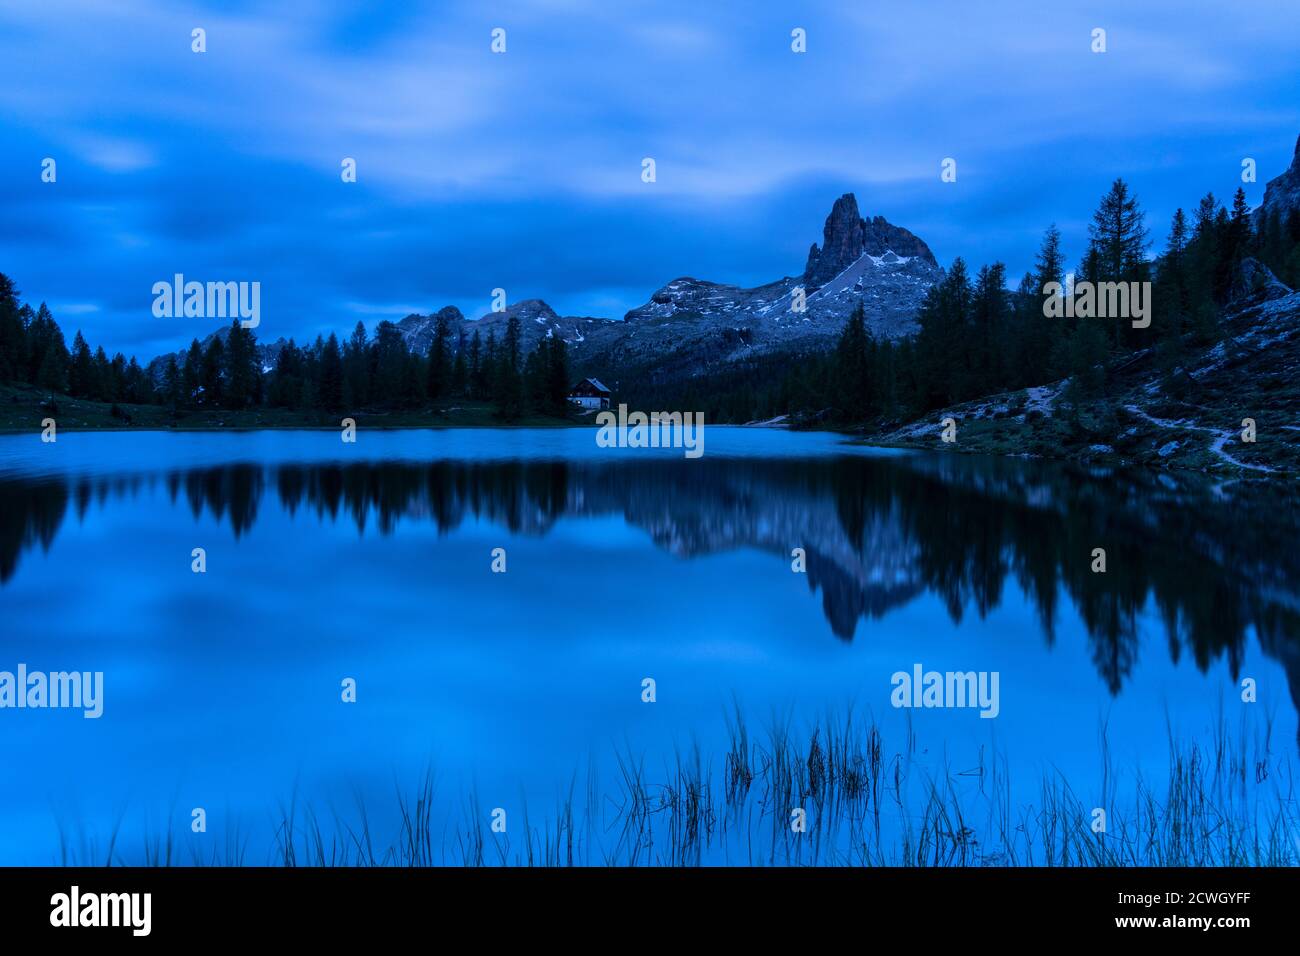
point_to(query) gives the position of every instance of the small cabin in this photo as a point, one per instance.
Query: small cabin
(589, 393)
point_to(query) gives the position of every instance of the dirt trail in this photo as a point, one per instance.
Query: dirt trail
(1221, 437)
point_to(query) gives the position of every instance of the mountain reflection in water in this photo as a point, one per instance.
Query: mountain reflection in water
(1215, 561)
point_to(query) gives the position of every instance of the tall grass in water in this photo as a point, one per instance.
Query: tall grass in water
(1225, 803)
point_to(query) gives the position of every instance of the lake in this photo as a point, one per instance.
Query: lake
(769, 589)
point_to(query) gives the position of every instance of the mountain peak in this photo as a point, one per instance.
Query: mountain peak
(416, 321)
(847, 236)
(530, 309)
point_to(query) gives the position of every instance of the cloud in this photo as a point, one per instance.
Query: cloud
(523, 170)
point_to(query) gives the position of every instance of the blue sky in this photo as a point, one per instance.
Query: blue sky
(522, 170)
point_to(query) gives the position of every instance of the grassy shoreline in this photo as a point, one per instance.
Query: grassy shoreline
(996, 427)
(1226, 801)
(22, 410)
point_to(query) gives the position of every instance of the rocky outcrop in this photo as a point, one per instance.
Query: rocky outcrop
(1252, 280)
(418, 330)
(1282, 194)
(846, 237)
(701, 324)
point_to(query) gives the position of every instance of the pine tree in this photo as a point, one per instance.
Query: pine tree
(439, 369)
(117, 378)
(81, 375)
(1118, 236)
(102, 380)
(390, 364)
(192, 374)
(558, 378)
(356, 366)
(13, 335)
(509, 387)
(286, 378)
(512, 343)
(490, 367)
(210, 377)
(460, 370)
(1202, 256)
(535, 377)
(41, 329)
(137, 383)
(242, 371)
(331, 375)
(172, 383)
(49, 352)
(1171, 300)
(884, 374)
(414, 376)
(1049, 267)
(1118, 240)
(989, 346)
(477, 378)
(943, 359)
(1038, 331)
(1240, 236)
(1172, 280)
(852, 374)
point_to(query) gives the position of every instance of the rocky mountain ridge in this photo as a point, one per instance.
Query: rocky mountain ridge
(690, 324)
(537, 320)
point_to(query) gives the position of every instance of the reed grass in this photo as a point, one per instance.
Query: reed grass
(1227, 801)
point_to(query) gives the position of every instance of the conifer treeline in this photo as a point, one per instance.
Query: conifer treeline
(365, 372)
(33, 351)
(975, 337)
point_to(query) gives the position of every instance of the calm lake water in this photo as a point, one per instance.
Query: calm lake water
(373, 561)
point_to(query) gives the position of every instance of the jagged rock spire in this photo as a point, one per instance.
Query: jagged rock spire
(847, 236)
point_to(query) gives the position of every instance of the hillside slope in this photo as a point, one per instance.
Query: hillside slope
(1147, 416)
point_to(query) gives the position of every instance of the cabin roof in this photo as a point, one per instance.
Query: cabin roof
(590, 384)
